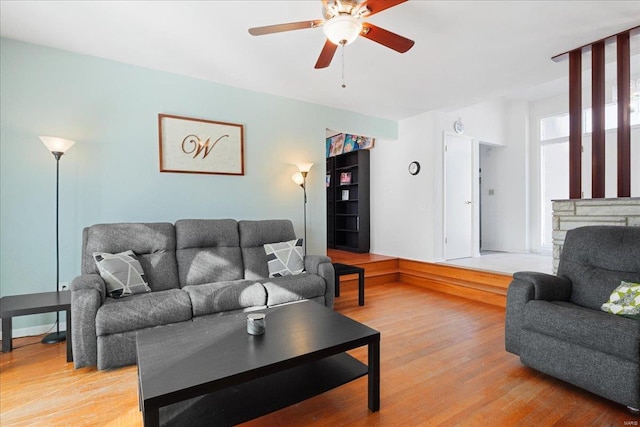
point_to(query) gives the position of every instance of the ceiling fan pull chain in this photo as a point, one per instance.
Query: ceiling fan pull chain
(342, 53)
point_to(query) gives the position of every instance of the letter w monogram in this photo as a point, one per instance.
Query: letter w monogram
(193, 144)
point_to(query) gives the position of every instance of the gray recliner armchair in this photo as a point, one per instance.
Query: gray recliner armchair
(556, 326)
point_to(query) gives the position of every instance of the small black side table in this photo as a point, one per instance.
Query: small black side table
(21, 305)
(344, 269)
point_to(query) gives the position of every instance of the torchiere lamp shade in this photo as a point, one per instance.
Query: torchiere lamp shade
(57, 145)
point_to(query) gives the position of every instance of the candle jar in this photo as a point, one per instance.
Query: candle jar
(256, 323)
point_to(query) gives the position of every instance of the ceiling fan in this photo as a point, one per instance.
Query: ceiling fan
(343, 24)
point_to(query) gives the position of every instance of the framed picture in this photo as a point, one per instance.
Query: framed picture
(190, 145)
(364, 142)
(350, 143)
(345, 178)
(345, 194)
(336, 145)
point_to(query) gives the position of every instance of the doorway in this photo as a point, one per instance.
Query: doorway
(459, 200)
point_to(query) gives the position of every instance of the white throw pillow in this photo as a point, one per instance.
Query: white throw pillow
(122, 273)
(285, 258)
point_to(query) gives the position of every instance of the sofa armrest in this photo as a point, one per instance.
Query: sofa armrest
(524, 287)
(88, 293)
(321, 265)
(546, 286)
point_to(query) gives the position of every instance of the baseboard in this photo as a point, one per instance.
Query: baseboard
(36, 330)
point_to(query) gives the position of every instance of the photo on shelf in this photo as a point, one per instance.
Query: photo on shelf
(335, 144)
(345, 178)
(345, 194)
(365, 142)
(327, 180)
(350, 143)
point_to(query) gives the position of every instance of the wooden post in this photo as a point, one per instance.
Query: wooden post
(598, 127)
(575, 124)
(624, 113)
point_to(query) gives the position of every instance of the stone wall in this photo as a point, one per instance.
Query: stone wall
(570, 214)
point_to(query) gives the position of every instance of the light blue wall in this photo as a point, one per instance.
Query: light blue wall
(112, 172)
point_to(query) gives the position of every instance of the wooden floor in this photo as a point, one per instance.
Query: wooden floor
(442, 359)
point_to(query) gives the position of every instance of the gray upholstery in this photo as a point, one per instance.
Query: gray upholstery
(285, 289)
(208, 251)
(154, 245)
(596, 259)
(593, 329)
(555, 325)
(219, 297)
(196, 268)
(142, 311)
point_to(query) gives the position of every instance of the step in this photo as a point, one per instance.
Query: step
(475, 284)
(480, 285)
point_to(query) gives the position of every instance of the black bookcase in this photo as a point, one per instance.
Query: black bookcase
(331, 206)
(348, 211)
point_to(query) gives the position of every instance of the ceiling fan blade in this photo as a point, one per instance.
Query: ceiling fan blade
(326, 55)
(386, 38)
(376, 6)
(279, 28)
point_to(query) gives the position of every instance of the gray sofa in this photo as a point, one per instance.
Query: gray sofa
(194, 268)
(557, 327)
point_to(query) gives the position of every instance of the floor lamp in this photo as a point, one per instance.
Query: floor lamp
(58, 147)
(300, 178)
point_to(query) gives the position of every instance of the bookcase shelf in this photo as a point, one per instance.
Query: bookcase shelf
(348, 220)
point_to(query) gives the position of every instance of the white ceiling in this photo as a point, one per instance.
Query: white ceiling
(465, 51)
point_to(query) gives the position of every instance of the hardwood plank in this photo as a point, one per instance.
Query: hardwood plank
(442, 358)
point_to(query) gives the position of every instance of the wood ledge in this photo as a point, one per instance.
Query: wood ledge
(478, 285)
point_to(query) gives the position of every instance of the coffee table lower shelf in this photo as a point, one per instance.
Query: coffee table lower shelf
(254, 398)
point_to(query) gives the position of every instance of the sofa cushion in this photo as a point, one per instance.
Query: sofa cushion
(153, 243)
(286, 289)
(253, 236)
(225, 296)
(588, 328)
(285, 258)
(596, 259)
(142, 311)
(208, 250)
(122, 273)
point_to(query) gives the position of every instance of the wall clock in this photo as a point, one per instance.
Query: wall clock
(414, 168)
(458, 126)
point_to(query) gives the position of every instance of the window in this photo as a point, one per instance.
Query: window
(610, 117)
(554, 127)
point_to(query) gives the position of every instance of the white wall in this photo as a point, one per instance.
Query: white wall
(407, 211)
(505, 171)
(402, 213)
(537, 110)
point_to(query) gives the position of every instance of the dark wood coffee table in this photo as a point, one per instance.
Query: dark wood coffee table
(211, 372)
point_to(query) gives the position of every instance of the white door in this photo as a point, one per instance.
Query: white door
(458, 215)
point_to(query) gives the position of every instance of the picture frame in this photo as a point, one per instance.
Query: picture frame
(364, 142)
(345, 194)
(345, 178)
(191, 145)
(350, 143)
(336, 145)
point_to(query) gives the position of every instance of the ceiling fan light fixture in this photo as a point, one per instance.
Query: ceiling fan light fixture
(342, 29)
